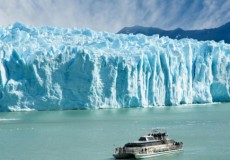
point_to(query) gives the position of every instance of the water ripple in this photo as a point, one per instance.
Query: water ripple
(8, 119)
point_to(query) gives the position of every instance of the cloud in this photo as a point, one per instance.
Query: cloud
(112, 15)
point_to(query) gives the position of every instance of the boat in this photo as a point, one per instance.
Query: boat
(153, 144)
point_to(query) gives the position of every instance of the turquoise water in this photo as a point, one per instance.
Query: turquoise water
(93, 134)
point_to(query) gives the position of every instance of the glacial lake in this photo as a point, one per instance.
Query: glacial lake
(93, 134)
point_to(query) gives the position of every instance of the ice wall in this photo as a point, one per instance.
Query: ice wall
(50, 68)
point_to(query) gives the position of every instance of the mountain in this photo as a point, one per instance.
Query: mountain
(50, 68)
(216, 34)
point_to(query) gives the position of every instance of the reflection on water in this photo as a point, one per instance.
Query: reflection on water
(174, 156)
(8, 119)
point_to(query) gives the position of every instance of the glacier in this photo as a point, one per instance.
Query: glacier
(51, 68)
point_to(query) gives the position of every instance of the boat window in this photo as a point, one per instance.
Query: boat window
(143, 144)
(150, 138)
(142, 139)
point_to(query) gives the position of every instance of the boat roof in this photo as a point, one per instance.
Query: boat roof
(146, 136)
(146, 141)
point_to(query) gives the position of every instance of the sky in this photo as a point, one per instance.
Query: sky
(113, 15)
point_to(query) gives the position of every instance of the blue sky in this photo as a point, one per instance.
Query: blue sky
(112, 15)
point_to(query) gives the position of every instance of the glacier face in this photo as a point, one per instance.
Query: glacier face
(48, 68)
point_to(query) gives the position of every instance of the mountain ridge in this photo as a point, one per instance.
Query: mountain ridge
(215, 34)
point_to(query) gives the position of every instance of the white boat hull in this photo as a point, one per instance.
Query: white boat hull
(154, 154)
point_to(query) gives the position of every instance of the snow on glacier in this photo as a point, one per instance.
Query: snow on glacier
(49, 68)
